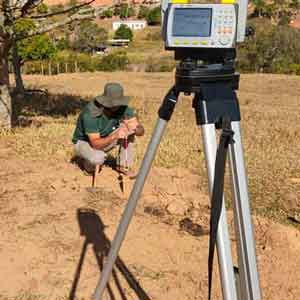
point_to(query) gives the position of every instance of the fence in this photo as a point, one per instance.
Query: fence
(53, 68)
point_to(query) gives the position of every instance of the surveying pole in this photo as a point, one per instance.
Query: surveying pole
(204, 38)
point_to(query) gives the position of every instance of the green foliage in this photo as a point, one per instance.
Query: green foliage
(116, 10)
(63, 44)
(273, 49)
(88, 36)
(36, 48)
(71, 62)
(42, 8)
(126, 11)
(160, 64)
(295, 4)
(154, 16)
(143, 12)
(108, 13)
(24, 25)
(114, 61)
(124, 32)
(154, 35)
(279, 11)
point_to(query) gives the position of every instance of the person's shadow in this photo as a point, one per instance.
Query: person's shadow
(92, 228)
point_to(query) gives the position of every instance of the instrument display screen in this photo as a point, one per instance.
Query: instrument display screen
(192, 22)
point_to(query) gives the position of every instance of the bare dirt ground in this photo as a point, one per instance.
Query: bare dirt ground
(49, 218)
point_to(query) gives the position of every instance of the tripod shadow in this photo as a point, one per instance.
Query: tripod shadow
(92, 228)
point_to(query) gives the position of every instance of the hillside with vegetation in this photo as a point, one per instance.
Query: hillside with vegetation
(274, 47)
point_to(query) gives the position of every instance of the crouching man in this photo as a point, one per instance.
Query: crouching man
(103, 124)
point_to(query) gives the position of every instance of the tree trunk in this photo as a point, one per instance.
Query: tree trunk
(17, 69)
(5, 98)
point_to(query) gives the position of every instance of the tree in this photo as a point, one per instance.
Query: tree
(124, 32)
(143, 12)
(36, 48)
(154, 16)
(42, 8)
(12, 11)
(89, 36)
(126, 11)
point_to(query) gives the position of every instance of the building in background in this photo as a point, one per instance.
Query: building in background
(132, 24)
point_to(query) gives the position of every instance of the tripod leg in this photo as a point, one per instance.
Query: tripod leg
(223, 241)
(165, 113)
(249, 279)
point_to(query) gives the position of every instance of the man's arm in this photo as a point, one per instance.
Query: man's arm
(99, 143)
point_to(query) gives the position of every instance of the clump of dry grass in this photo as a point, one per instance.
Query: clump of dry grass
(270, 124)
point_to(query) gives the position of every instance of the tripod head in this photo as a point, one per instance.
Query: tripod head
(203, 38)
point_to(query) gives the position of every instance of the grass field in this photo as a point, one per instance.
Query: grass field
(270, 127)
(42, 195)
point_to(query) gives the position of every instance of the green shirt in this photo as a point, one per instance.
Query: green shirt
(93, 120)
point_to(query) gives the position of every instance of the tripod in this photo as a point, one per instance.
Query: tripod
(215, 100)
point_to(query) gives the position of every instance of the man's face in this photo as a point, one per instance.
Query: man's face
(112, 111)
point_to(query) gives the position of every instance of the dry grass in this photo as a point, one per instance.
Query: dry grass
(271, 129)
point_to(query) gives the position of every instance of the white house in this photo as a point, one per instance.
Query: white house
(133, 25)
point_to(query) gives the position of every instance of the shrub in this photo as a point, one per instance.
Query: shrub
(42, 8)
(160, 64)
(124, 32)
(108, 13)
(154, 16)
(114, 61)
(154, 34)
(143, 12)
(272, 49)
(126, 11)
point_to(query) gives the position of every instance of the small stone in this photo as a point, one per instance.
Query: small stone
(177, 208)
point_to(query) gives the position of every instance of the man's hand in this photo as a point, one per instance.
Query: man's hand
(131, 124)
(121, 133)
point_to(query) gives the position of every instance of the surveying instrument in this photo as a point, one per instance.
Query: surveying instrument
(204, 37)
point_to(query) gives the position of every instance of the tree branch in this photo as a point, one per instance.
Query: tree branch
(64, 11)
(48, 27)
(29, 5)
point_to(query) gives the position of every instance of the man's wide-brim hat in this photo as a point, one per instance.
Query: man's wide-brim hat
(112, 96)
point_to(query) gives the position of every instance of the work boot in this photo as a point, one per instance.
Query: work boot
(131, 174)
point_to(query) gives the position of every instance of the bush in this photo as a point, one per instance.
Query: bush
(36, 48)
(124, 32)
(154, 16)
(160, 64)
(108, 13)
(294, 69)
(154, 34)
(42, 8)
(126, 11)
(143, 12)
(114, 61)
(273, 49)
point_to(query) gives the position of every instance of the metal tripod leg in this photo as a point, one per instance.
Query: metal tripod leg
(129, 211)
(223, 241)
(248, 274)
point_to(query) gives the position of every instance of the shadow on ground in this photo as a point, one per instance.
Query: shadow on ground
(92, 228)
(41, 103)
